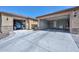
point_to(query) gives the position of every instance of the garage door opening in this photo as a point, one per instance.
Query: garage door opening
(62, 25)
(18, 24)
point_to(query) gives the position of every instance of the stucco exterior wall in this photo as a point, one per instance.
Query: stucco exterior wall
(26, 24)
(55, 15)
(74, 22)
(32, 22)
(7, 23)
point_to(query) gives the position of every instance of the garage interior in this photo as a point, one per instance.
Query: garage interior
(18, 24)
(62, 24)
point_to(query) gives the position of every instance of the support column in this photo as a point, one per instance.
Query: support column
(54, 24)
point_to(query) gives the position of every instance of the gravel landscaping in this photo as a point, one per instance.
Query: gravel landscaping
(3, 35)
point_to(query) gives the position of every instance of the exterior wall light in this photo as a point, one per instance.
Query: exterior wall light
(75, 13)
(7, 19)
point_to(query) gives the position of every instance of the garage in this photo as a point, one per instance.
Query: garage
(55, 23)
(18, 24)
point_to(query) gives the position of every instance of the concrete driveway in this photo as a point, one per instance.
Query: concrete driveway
(38, 41)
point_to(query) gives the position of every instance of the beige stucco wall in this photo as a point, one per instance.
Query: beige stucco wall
(26, 24)
(74, 22)
(55, 15)
(32, 22)
(7, 23)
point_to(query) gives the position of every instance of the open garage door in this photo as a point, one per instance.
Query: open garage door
(18, 24)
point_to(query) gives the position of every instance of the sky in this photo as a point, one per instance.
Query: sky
(32, 11)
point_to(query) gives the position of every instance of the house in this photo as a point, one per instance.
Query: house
(11, 21)
(66, 20)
